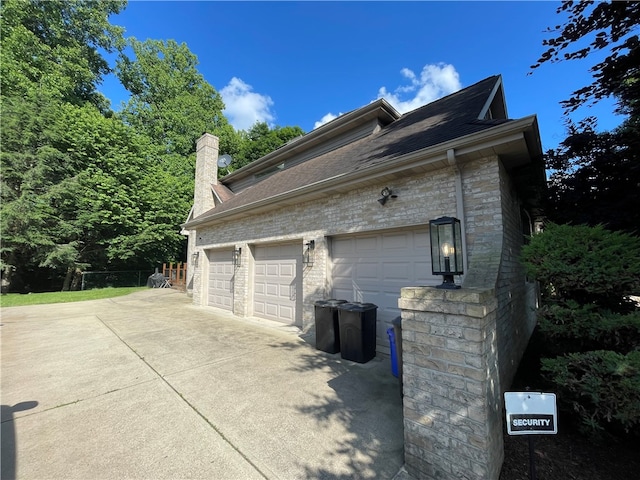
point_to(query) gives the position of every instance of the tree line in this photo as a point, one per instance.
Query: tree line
(83, 186)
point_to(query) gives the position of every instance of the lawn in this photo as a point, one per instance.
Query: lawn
(18, 299)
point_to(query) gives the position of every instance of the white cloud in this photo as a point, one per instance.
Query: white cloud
(244, 107)
(326, 119)
(435, 81)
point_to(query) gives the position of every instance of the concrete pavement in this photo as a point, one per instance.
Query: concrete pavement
(149, 386)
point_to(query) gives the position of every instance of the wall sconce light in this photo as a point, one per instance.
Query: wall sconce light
(309, 253)
(237, 257)
(386, 195)
(194, 257)
(446, 249)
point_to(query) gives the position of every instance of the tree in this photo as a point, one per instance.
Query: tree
(52, 47)
(595, 177)
(608, 25)
(59, 150)
(170, 101)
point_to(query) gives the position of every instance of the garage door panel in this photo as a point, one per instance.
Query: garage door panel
(368, 271)
(288, 271)
(395, 242)
(342, 246)
(272, 290)
(366, 244)
(276, 281)
(396, 270)
(220, 279)
(373, 268)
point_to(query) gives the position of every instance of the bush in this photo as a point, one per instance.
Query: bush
(586, 264)
(588, 322)
(602, 387)
(577, 328)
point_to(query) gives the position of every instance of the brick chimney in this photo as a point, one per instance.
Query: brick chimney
(206, 173)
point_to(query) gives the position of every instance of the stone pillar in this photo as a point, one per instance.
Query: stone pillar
(452, 398)
(206, 173)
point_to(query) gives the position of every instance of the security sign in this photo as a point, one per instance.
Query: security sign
(531, 413)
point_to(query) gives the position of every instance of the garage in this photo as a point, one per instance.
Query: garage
(277, 282)
(221, 272)
(373, 268)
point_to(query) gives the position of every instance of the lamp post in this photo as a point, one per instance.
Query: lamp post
(446, 250)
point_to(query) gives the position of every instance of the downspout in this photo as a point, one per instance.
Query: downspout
(453, 162)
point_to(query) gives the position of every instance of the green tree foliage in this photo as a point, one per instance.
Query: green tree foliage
(595, 177)
(606, 26)
(50, 67)
(260, 140)
(171, 102)
(589, 323)
(52, 47)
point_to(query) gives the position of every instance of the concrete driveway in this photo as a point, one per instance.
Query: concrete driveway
(148, 386)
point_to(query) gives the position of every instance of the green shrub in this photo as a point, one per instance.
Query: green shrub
(586, 264)
(574, 327)
(602, 387)
(588, 322)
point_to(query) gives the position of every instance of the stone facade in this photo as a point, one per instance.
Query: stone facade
(420, 198)
(461, 348)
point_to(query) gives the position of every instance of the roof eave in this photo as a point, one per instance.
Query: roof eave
(521, 131)
(381, 109)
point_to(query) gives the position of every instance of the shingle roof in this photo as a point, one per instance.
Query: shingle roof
(453, 116)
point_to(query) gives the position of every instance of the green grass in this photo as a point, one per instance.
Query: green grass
(18, 299)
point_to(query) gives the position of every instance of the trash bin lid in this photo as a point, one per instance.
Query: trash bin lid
(357, 307)
(332, 302)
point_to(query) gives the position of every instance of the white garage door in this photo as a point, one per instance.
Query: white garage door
(373, 268)
(278, 282)
(220, 293)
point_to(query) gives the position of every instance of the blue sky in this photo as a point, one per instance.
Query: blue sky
(303, 63)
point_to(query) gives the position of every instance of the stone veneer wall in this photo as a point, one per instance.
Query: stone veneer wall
(451, 428)
(420, 198)
(461, 348)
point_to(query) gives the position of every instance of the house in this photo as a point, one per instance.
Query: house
(253, 231)
(343, 212)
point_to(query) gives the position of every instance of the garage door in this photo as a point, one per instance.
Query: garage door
(373, 268)
(220, 291)
(278, 282)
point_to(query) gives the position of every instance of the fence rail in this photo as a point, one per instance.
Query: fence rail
(176, 273)
(128, 278)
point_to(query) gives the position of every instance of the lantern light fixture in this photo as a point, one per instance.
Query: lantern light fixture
(309, 253)
(446, 250)
(237, 257)
(194, 257)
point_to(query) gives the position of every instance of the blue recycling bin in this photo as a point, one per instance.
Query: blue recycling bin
(394, 352)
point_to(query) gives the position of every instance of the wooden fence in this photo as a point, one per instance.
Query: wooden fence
(176, 273)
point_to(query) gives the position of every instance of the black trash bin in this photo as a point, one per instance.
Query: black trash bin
(357, 331)
(327, 329)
